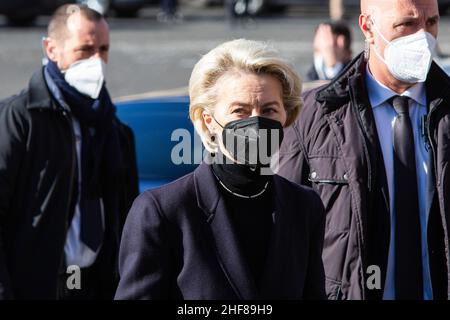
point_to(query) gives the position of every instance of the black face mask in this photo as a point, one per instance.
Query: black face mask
(252, 141)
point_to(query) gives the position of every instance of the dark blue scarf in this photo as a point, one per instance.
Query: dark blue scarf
(101, 153)
(97, 122)
(93, 113)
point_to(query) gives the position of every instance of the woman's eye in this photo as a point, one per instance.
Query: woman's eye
(238, 111)
(269, 110)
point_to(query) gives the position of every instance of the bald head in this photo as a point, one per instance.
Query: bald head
(364, 6)
(385, 6)
(75, 33)
(369, 7)
(66, 19)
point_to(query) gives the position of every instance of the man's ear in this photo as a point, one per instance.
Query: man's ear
(365, 24)
(50, 48)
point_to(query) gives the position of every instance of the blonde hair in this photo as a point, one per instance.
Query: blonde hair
(239, 55)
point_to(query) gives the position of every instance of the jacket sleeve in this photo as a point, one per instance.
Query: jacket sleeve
(315, 278)
(144, 259)
(13, 128)
(293, 164)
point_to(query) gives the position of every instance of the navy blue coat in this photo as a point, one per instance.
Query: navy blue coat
(179, 243)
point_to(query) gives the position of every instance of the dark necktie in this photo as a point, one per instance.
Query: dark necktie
(91, 230)
(408, 250)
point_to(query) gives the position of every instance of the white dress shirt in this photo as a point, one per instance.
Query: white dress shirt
(385, 116)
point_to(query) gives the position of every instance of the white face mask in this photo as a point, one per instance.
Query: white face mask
(87, 76)
(324, 72)
(409, 58)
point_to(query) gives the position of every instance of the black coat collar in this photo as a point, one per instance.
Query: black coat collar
(39, 96)
(229, 253)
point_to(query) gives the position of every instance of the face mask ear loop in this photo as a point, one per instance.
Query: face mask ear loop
(217, 122)
(382, 37)
(379, 32)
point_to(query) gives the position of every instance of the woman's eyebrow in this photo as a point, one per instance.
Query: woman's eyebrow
(248, 105)
(241, 104)
(270, 104)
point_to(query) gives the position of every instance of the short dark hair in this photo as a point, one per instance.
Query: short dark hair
(339, 28)
(57, 27)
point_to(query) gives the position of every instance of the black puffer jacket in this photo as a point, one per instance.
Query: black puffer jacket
(334, 148)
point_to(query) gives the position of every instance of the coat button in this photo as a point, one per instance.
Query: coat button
(313, 175)
(345, 176)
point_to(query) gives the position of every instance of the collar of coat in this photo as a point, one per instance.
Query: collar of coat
(39, 96)
(352, 82)
(228, 248)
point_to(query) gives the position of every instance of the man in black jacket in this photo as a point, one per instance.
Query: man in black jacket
(375, 144)
(67, 170)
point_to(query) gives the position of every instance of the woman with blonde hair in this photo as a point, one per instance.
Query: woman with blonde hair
(231, 229)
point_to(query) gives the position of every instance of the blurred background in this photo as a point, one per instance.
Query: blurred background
(154, 45)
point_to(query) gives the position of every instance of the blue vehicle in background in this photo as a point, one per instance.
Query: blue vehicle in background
(155, 122)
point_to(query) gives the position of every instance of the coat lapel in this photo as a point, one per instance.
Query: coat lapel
(278, 280)
(228, 250)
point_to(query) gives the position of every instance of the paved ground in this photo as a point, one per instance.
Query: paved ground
(147, 55)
